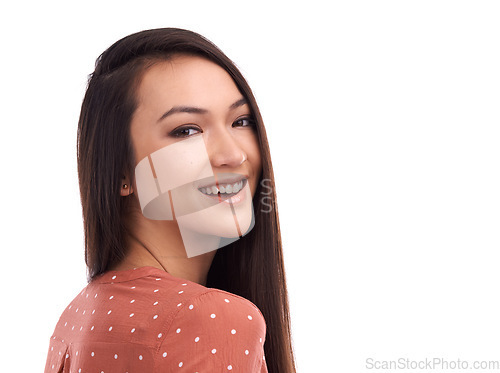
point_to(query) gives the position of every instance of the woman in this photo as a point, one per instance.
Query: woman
(185, 263)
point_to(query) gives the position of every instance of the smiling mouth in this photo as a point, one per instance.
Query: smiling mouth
(226, 190)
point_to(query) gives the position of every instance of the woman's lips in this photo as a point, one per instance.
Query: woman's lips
(220, 193)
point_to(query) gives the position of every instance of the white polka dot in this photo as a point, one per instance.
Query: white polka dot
(133, 330)
(132, 301)
(233, 331)
(133, 287)
(92, 354)
(180, 364)
(182, 291)
(81, 327)
(110, 328)
(249, 317)
(67, 355)
(132, 314)
(159, 335)
(92, 327)
(212, 315)
(112, 278)
(93, 311)
(247, 352)
(66, 323)
(178, 330)
(260, 340)
(183, 284)
(76, 310)
(156, 290)
(111, 297)
(95, 296)
(83, 312)
(109, 312)
(191, 306)
(116, 356)
(226, 300)
(197, 339)
(140, 357)
(158, 279)
(229, 367)
(155, 317)
(180, 304)
(164, 354)
(155, 303)
(214, 351)
(76, 353)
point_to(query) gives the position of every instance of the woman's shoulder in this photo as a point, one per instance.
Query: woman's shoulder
(148, 308)
(223, 330)
(152, 285)
(138, 305)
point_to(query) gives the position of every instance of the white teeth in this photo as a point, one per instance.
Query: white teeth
(227, 188)
(237, 187)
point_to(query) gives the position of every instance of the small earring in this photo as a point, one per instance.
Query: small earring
(125, 186)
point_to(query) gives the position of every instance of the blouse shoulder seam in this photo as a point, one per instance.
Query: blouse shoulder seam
(241, 298)
(168, 324)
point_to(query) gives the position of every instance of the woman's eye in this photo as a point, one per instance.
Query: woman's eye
(184, 131)
(244, 122)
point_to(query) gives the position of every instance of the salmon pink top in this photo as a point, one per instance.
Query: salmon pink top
(145, 320)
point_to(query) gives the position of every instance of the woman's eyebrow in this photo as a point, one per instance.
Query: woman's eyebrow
(197, 110)
(183, 109)
(242, 101)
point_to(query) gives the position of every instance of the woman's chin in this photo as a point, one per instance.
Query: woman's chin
(220, 220)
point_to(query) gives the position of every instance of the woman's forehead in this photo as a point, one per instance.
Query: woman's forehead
(187, 80)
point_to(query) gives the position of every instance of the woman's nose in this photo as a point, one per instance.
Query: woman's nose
(224, 150)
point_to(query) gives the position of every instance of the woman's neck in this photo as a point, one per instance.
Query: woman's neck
(159, 244)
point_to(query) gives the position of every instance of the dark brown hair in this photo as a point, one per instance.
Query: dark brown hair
(252, 266)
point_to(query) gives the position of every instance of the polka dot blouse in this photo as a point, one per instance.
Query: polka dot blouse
(146, 320)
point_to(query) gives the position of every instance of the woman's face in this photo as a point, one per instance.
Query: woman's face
(193, 116)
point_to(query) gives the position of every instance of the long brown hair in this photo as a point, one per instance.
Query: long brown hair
(252, 266)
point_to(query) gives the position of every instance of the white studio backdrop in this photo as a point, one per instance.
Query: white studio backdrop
(383, 120)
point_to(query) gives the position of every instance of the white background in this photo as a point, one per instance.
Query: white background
(383, 120)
